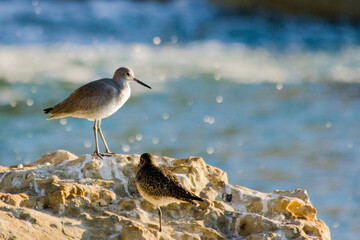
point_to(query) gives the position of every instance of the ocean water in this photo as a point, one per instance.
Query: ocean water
(273, 100)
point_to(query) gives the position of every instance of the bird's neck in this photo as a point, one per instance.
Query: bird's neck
(148, 165)
(121, 84)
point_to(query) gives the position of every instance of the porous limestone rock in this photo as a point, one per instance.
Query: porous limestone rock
(61, 196)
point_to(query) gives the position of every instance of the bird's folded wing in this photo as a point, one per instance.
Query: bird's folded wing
(168, 184)
(88, 97)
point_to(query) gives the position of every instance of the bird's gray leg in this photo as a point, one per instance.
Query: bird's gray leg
(160, 218)
(95, 128)
(107, 150)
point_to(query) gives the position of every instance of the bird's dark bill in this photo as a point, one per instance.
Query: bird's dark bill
(140, 82)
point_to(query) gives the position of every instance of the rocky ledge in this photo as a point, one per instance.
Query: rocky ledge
(62, 196)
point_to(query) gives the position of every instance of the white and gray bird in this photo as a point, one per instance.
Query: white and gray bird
(97, 100)
(160, 186)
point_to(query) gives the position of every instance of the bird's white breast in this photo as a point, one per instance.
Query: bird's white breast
(113, 104)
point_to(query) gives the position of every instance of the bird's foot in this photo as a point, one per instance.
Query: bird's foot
(100, 155)
(109, 154)
(106, 154)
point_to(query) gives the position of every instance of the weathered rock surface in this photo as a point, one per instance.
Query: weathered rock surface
(61, 196)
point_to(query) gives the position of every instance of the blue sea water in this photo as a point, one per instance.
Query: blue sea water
(273, 100)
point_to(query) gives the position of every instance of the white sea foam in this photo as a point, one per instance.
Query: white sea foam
(235, 62)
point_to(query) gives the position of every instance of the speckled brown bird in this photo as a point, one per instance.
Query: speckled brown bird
(97, 100)
(160, 186)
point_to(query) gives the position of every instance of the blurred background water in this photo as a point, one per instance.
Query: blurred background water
(273, 99)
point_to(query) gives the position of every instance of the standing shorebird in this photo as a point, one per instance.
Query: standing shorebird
(160, 186)
(97, 100)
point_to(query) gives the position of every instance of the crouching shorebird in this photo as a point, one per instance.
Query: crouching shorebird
(97, 100)
(160, 186)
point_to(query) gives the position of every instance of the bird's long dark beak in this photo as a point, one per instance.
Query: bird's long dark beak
(140, 82)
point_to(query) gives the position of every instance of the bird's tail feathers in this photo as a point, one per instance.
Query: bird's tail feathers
(190, 199)
(47, 110)
(198, 198)
(53, 115)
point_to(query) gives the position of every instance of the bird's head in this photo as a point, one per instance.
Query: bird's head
(147, 159)
(126, 74)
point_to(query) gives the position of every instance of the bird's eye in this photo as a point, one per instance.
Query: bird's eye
(127, 74)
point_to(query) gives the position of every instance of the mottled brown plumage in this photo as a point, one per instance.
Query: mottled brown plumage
(159, 185)
(97, 100)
